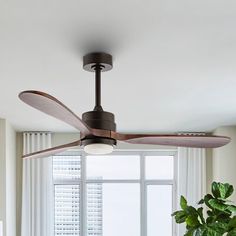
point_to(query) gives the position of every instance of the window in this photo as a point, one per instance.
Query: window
(127, 193)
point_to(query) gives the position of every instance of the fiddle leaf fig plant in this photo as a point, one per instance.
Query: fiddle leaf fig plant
(219, 219)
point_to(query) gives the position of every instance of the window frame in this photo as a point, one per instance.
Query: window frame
(144, 183)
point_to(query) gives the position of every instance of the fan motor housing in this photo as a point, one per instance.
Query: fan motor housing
(99, 120)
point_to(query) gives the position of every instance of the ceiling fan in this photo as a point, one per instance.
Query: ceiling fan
(98, 128)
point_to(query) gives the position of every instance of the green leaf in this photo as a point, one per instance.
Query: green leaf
(180, 217)
(200, 213)
(223, 217)
(192, 221)
(225, 200)
(232, 233)
(217, 204)
(215, 190)
(201, 201)
(229, 191)
(207, 198)
(232, 223)
(191, 210)
(215, 229)
(210, 213)
(220, 190)
(210, 219)
(183, 203)
(219, 227)
(219, 219)
(189, 233)
(174, 213)
(200, 231)
(231, 208)
(212, 232)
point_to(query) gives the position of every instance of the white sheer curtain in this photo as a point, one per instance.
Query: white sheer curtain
(191, 179)
(36, 187)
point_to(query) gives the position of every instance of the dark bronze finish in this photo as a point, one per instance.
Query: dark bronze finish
(100, 120)
(98, 58)
(98, 106)
(88, 141)
(97, 62)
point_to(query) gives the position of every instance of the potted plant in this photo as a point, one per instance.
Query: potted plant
(219, 218)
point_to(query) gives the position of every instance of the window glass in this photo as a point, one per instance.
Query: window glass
(94, 209)
(159, 210)
(113, 167)
(108, 202)
(159, 167)
(66, 167)
(113, 209)
(67, 214)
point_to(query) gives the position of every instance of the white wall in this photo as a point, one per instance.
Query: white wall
(224, 159)
(62, 138)
(10, 180)
(7, 178)
(2, 176)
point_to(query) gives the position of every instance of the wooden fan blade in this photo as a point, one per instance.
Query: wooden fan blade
(51, 151)
(181, 140)
(53, 107)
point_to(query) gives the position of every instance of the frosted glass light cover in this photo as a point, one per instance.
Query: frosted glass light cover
(98, 148)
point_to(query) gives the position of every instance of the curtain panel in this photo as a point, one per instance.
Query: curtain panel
(36, 187)
(191, 180)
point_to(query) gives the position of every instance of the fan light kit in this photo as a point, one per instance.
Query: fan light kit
(98, 148)
(97, 128)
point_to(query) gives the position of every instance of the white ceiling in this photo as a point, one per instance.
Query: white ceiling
(174, 61)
